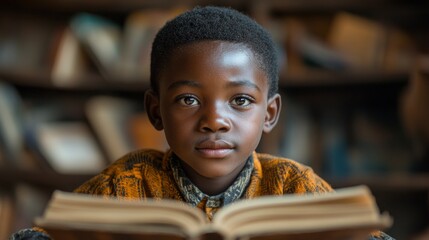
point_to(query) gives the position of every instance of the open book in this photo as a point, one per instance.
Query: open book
(349, 213)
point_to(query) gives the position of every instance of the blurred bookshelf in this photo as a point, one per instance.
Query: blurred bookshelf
(88, 83)
(346, 109)
(43, 179)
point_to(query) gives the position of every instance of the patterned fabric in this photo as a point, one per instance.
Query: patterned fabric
(30, 234)
(148, 174)
(379, 235)
(194, 196)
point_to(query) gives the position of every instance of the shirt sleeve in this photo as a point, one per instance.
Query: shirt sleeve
(305, 181)
(30, 234)
(379, 235)
(100, 184)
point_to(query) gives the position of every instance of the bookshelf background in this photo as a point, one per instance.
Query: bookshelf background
(344, 122)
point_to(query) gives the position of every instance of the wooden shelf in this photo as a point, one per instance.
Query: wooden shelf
(284, 5)
(335, 5)
(90, 83)
(314, 79)
(93, 6)
(45, 179)
(396, 182)
(111, 6)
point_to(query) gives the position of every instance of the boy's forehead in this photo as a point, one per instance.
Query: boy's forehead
(227, 53)
(222, 53)
(208, 45)
(211, 58)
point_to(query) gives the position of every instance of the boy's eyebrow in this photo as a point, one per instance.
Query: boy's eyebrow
(183, 83)
(239, 83)
(245, 83)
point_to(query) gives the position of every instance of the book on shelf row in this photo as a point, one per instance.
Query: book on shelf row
(111, 127)
(119, 50)
(82, 44)
(340, 141)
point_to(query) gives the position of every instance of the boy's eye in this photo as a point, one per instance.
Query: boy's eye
(188, 101)
(241, 101)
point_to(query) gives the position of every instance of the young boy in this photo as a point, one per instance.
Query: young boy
(214, 75)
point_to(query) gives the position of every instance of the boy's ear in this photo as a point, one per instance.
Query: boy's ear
(152, 106)
(273, 112)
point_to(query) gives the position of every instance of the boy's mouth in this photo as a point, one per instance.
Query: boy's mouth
(214, 148)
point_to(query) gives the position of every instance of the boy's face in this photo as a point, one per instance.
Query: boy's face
(213, 106)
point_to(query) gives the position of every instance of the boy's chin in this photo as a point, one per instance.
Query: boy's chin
(218, 171)
(213, 175)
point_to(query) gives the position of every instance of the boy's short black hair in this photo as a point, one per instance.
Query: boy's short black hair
(215, 23)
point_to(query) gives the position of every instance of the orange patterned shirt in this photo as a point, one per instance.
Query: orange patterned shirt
(148, 174)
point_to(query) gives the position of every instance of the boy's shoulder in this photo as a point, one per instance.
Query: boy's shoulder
(122, 177)
(136, 160)
(288, 175)
(269, 161)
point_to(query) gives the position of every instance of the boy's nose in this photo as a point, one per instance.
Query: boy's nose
(215, 119)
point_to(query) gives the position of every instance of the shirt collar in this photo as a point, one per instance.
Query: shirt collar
(195, 196)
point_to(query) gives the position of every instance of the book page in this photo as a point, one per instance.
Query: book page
(81, 211)
(87, 232)
(340, 234)
(345, 209)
